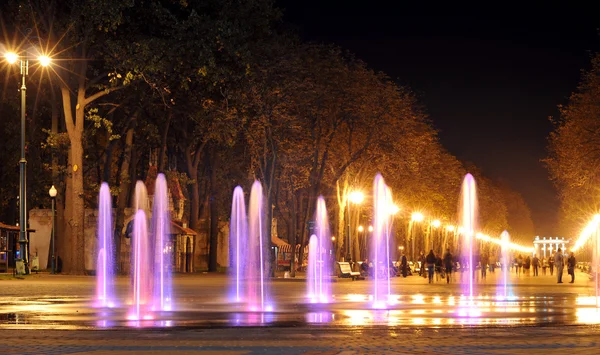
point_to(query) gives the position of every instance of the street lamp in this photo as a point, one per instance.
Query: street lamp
(52, 194)
(12, 58)
(355, 197)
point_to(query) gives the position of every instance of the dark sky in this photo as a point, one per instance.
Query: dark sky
(489, 78)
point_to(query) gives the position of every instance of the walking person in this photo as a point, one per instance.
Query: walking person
(535, 262)
(559, 263)
(430, 260)
(551, 264)
(484, 264)
(544, 265)
(448, 264)
(404, 265)
(519, 264)
(571, 262)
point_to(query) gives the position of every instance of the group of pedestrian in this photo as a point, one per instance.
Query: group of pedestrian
(559, 261)
(443, 267)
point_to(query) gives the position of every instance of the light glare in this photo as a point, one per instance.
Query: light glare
(44, 60)
(11, 57)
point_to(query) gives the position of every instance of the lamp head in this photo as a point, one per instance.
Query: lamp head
(44, 60)
(11, 57)
(52, 191)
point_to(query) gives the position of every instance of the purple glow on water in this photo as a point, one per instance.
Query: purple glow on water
(380, 242)
(258, 264)
(319, 261)
(238, 236)
(141, 268)
(161, 227)
(105, 272)
(469, 223)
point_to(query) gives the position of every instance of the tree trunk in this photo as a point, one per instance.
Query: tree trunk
(76, 219)
(214, 211)
(125, 183)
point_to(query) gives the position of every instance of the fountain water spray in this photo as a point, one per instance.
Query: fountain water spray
(105, 271)
(141, 267)
(380, 242)
(257, 256)
(319, 264)
(161, 228)
(238, 236)
(469, 224)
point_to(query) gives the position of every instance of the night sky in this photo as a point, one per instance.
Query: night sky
(489, 78)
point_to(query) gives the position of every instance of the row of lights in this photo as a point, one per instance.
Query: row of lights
(419, 217)
(357, 197)
(587, 232)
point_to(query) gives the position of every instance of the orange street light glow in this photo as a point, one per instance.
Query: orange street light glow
(11, 57)
(417, 217)
(356, 197)
(44, 60)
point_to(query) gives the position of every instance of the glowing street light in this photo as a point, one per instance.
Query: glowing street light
(450, 228)
(356, 197)
(436, 223)
(370, 228)
(12, 58)
(417, 217)
(361, 228)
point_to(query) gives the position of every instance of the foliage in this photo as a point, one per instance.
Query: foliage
(574, 154)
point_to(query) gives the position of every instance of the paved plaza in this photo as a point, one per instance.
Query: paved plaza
(53, 314)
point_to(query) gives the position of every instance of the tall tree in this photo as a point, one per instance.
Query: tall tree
(574, 153)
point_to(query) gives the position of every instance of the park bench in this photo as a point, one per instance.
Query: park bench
(346, 271)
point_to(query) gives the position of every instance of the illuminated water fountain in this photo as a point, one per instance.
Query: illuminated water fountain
(151, 284)
(468, 213)
(380, 242)
(105, 296)
(250, 250)
(319, 264)
(238, 236)
(161, 228)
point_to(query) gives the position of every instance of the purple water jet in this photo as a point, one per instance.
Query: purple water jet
(380, 242)
(161, 228)
(238, 236)
(105, 271)
(319, 263)
(141, 269)
(468, 214)
(258, 265)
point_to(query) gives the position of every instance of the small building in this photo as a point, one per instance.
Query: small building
(9, 246)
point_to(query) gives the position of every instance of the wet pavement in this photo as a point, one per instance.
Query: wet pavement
(54, 314)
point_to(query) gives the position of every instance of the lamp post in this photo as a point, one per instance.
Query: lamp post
(52, 193)
(23, 60)
(415, 217)
(355, 197)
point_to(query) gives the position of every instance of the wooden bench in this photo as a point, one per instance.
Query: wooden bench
(346, 271)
